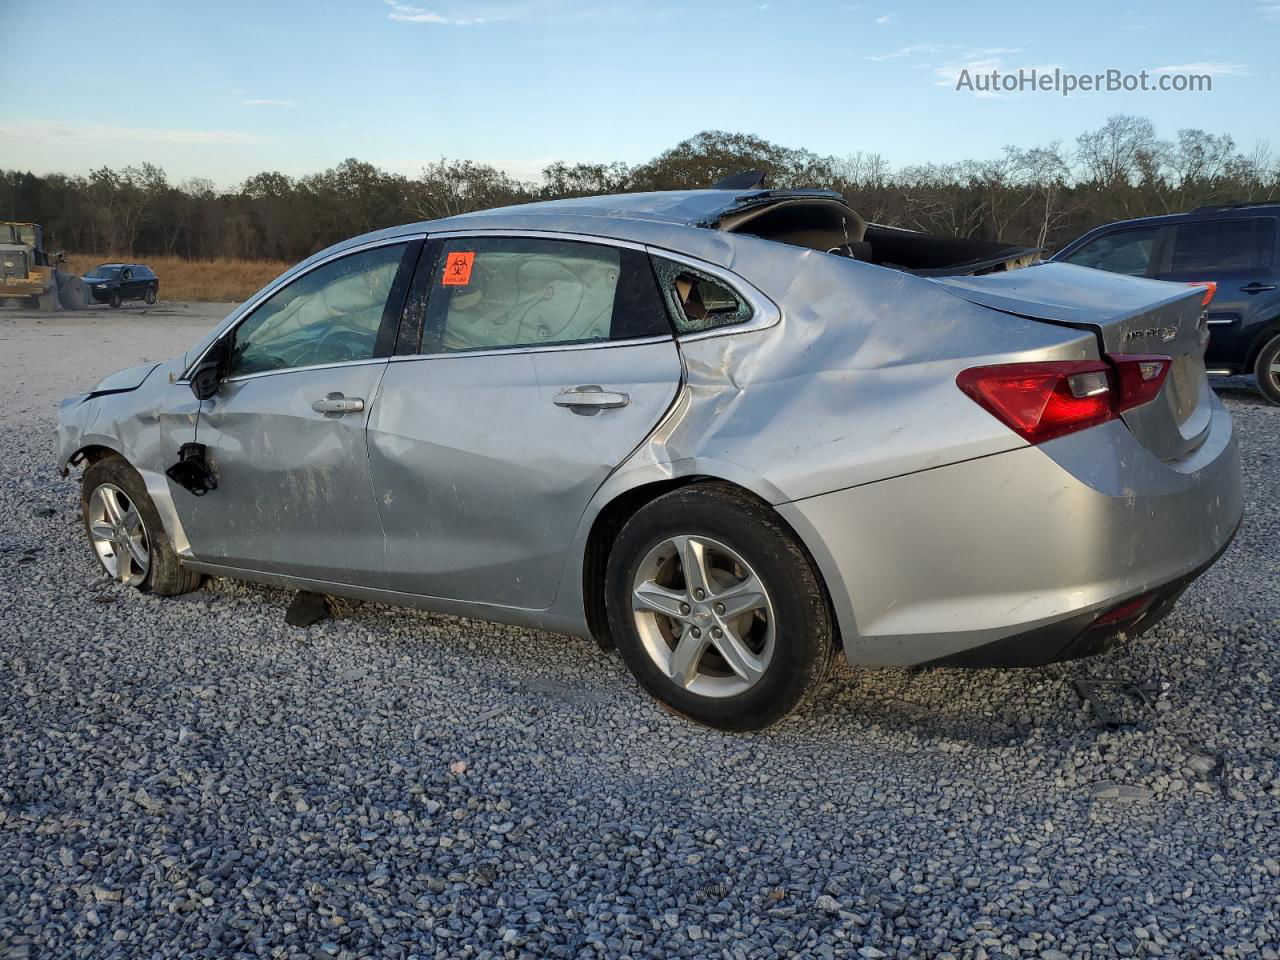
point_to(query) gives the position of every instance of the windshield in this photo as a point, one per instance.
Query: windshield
(106, 273)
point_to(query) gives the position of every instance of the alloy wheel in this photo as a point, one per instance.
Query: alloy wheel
(703, 616)
(119, 535)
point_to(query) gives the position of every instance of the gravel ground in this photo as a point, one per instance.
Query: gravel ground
(45, 356)
(194, 778)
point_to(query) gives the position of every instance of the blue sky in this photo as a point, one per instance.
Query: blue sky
(228, 89)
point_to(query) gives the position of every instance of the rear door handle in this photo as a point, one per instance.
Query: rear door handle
(335, 405)
(591, 396)
(1257, 287)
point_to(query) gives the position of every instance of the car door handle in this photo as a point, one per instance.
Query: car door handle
(593, 396)
(335, 405)
(1257, 287)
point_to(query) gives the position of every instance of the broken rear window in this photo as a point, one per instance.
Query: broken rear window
(698, 301)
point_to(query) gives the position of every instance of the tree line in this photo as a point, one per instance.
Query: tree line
(1041, 196)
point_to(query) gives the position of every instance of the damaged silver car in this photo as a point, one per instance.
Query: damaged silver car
(733, 432)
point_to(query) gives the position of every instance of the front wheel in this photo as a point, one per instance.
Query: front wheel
(717, 608)
(125, 531)
(116, 300)
(1267, 370)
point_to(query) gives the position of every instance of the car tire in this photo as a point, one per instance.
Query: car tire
(769, 657)
(115, 300)
(116, 508)
(1267, 370)
(150, 295)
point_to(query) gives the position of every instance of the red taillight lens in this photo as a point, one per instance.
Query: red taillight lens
(1210, 288)
(1141, 377)
(1040, 401)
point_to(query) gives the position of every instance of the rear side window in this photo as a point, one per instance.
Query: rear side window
(491, 293)
(1224, 245)
(1124, 251)
(699, 301)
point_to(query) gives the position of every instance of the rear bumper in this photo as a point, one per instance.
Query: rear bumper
(1084, 635)
(1009, 559)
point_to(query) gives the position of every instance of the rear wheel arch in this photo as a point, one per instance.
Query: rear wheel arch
(614, 515)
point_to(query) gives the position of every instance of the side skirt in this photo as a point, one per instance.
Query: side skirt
(516, 616)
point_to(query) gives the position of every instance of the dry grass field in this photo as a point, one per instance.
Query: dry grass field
(221, 280)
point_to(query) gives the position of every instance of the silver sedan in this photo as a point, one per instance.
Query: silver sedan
(730, 432)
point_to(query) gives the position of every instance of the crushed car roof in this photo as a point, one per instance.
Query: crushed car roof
(684, 207)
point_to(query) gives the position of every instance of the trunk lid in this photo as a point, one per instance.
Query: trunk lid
(1129, 315)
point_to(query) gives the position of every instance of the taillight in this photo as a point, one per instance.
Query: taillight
(1210, 288)
(1141, 376)
(1040, 401)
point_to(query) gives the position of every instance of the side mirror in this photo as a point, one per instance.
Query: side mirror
(207, 377)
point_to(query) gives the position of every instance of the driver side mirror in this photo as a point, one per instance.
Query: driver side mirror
(207, 377)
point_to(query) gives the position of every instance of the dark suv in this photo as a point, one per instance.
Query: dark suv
(115, 283)
(1232, 245)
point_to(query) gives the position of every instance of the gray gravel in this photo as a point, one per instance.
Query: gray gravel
(195, 778)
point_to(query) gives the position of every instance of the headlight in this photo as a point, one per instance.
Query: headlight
(99, 286)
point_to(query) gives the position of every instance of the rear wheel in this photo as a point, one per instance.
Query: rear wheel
(125, 531)
(115, 300)
(717, 609)
(1267, 370)
(150, 296)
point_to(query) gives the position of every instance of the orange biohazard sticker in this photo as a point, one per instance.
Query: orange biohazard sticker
(457, 269)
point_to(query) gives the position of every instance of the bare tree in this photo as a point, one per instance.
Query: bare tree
(1115, 153)
(1041, 196)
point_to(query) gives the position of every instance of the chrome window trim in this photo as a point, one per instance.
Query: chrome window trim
(1221, 323)
(544, 348)
(764, 312)
(534, 234)
(312, 366)
(249, 306)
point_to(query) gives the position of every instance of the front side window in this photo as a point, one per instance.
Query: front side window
(1125, 251)
(1223, 245)
(490, 293)
(329, 315)
(698, 301)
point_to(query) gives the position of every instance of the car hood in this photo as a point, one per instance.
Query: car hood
(124, 380)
